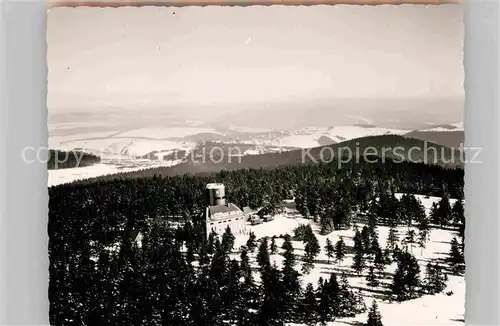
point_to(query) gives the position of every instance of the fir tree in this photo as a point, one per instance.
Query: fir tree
(271, 310)
(374, 246)
(374, 317)
(410, 239)
(359, 262)
(444, 213)
(309, 306)
(227, 241)
(246, 270)
(340, 250)
(434, 214)
(263, 254)
(203, 259)
(457, 212)
(387, 257)
(371, 278)
(422, 240)
(379, 260)
(291, 283)
(329, 249)
(311, 249)
(358, 242)
(251, 242)
(406, 280)
(365, 236)
(288, 252)
(211, 242)
(373, 219)
(325, 304)
(435, 279)
(392, 238)
(456, 258)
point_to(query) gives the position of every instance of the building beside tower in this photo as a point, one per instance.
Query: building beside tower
(219, 214)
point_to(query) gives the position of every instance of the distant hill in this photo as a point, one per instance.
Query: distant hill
(451, 138)
(209, 158)
(60, 159)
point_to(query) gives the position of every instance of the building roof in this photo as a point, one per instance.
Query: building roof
(215, 185)
(247, 210)
(289, 205)
(218, 209)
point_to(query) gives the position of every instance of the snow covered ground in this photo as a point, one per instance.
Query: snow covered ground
(309, 137)
(439, 309)
(459, 126)
(164, 141)
(145, 140)
(62, 176)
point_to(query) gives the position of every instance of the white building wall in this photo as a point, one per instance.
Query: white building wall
(237, 224)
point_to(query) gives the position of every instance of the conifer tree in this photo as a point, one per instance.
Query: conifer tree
(263, 255)
(396, 252)
(358, 242)
(288, 252)
(340, 250)
(251, 242)
(246, 270)
(309, 306)
(312, 249)
(410, 239)
(444, 213)
(211, 242)
(434, 214)
(392, 238)
(422, 240)
(456, 258)
(406, 280)
(458, 212)
(379, 261)
(365, 236)
(359, 262)
(374, 317)
(371, 278)
(203, 258)
(374, 246)
(330, 295)
(373, 220)
(387, 257)
(271, 310)
(227, 241)
(329, 249)
(424, 232)
(346, 306)
(291, 283)
(274, 248)
(325, 304)
(435, 279)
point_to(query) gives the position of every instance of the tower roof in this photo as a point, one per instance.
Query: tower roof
(214, 185)
(223, 209)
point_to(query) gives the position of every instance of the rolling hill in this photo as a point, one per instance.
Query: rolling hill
(449, 135)
(207, 158)
(452, 139)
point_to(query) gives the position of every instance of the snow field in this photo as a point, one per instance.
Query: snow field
(62, 176)
(439, 309)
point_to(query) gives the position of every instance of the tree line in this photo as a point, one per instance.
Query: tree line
(99, 274)
(59, 159)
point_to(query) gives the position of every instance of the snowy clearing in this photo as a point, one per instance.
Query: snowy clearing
(439, 309)
(62, 176)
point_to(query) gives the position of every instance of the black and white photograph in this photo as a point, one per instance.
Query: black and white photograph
(256, 166)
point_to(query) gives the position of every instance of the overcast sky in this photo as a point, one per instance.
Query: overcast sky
(123, 57)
